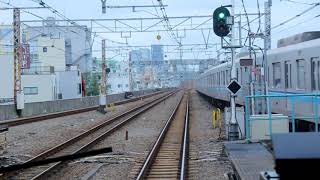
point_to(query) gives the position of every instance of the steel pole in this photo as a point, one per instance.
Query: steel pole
(233, 131)
(103, 95)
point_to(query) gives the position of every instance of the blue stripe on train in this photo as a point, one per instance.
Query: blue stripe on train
(309, 99)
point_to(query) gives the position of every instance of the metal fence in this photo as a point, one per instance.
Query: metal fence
(294, 106)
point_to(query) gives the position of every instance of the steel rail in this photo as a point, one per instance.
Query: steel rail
(98, 139)
(73, 140)
(156, 147)
(185, 146)
(26, 120)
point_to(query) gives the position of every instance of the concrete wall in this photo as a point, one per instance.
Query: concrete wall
(38, 108)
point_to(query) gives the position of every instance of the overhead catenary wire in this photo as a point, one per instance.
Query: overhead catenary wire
(247, 18)
(296, 16)
(297, 24)
(166, 19)
(68, 20)
(259, 18)
(297, 2)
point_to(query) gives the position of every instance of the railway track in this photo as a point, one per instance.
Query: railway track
(82, 142)
(168, 158)
(26, 120)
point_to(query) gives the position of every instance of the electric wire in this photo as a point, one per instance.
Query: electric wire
(296, 2)
(248, 23)
(296, 16)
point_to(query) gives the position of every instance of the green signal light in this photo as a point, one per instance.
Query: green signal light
(221, 15)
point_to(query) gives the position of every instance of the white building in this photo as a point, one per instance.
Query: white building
(69, 84)
(39, 88)
(51, 52)
(47, 86)
(47, 79)
(118, 78)
(6, 77)
(76, 45)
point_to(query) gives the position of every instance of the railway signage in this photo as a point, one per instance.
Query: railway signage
(234, 87)
(246, 62)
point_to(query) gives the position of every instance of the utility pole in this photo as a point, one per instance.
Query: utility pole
(130, 74)
(253, 75)
(103, 87)
(18, 93)
(233, 131)
(267, 46)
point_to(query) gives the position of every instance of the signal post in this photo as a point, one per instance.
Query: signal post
(223, 22)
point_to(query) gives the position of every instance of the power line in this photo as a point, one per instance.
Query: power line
(247, 17)
(297, 2)
(302, 22)
(296, 16)
(158, 15)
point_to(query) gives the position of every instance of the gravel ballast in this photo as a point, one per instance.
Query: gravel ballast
(127, 155)
(28, 140)
(207, 158)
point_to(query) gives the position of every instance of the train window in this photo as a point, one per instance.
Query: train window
(313, 75)
(301, 74)
(212, 80)
(290, 70)
(227, 76)
(268, 76)
(315, 82)
(276, 75)
(287, 73)
(216, 79)
(222, 78)
(241, 77)
(319, 75)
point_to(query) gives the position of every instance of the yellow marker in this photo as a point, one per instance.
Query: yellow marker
(219, 118)
(214, 118)
(112, 107)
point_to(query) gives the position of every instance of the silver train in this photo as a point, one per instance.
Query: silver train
(293, 68)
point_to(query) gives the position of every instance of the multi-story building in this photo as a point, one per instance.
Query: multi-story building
(50, 52)
(76, 42)
(47, 78)
(117, 79)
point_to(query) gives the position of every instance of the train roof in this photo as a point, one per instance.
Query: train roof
(298, 38)
(295, 47)
(285, 49)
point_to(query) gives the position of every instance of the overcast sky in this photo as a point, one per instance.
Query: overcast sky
(75, 9)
